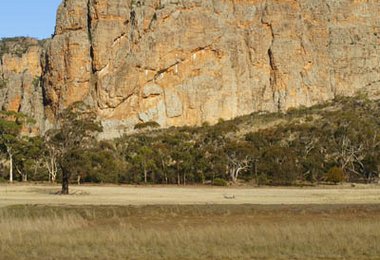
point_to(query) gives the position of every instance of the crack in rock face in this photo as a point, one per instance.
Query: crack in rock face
(188, 62)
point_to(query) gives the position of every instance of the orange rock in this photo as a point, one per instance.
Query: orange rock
(206, 59)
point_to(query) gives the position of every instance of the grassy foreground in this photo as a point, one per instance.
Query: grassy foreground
(190, 232)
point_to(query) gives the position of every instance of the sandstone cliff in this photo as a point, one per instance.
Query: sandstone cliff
(184, 62)
(20, 79)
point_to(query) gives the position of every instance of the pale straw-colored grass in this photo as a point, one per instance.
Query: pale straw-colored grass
(161, 233)
(158, 195)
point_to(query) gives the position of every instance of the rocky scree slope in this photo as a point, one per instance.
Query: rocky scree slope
(178, 62)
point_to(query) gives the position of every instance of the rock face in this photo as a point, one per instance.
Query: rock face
(184, 62)
(20, 79)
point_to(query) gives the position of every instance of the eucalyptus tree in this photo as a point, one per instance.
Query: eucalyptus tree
(77, 132)
(11, 124)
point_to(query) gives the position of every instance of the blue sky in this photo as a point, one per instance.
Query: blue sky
(33, 18)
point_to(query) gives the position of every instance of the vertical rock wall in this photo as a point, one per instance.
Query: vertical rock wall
(20, 80)
(184, 62)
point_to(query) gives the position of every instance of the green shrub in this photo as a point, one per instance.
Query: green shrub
(205, 124)
(335, 175)
(309, 119)
(3, 83)
(262, 179)
(36, 82)
(150, 124)
(219, 182)
(3, 49)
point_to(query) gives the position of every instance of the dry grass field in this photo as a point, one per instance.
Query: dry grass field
(125, 222)
(174, 195)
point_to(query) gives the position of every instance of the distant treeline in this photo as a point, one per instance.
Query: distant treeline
(333, 142)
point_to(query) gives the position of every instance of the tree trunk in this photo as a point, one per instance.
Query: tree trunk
(232, 174)
(35, 169)
(145, 176)
(152, 177)
(52, 169)
(54, 172)
(236, 177)
(178, 176)
(164, 171)
(256, 176)
(10, 167)
(65, 182)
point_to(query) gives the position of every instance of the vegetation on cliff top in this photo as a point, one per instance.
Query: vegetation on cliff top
(17, 45)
